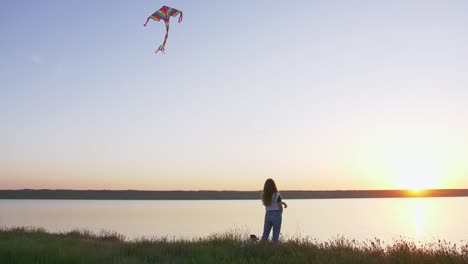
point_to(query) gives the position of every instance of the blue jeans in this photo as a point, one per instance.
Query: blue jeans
(272, 219)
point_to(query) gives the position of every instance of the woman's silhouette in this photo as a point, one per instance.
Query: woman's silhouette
(271, 198)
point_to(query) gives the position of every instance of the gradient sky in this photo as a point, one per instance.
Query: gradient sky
(315, 94)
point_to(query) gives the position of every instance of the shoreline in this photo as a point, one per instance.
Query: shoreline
(29, 245)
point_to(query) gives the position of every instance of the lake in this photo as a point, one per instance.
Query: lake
(420, 219)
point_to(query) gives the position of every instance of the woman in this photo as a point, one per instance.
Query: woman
(271, 198)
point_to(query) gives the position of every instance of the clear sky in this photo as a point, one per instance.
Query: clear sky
(315, 94)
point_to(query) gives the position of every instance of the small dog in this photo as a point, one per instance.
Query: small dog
(253, 239)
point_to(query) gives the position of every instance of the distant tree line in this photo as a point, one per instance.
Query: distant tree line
(220, 195)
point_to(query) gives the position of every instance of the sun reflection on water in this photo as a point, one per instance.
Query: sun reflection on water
(419, 217)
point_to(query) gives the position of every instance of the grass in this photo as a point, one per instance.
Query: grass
(32, 245)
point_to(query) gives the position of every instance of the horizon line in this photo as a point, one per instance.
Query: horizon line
(208, 190)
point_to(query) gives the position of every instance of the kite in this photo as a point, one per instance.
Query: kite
(165, 14)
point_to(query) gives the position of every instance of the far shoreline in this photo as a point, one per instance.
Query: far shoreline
(47, 194)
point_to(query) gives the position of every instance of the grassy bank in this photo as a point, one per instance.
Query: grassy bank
(21, 245)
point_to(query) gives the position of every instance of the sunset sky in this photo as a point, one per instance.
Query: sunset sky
(315, 94)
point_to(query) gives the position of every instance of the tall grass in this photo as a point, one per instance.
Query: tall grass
(32, 245)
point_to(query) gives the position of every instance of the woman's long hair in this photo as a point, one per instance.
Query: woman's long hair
(268, 190)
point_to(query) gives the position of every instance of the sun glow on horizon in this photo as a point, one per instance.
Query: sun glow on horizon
(417, 176)
(406, 159)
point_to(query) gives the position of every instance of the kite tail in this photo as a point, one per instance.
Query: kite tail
(163, 46)
(146, 21)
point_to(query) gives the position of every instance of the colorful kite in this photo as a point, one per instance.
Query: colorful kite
(165, 13)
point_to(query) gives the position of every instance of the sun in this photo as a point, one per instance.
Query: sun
(416, 177)
(407, 160)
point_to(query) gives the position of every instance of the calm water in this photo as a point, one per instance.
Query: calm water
(424, 219)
